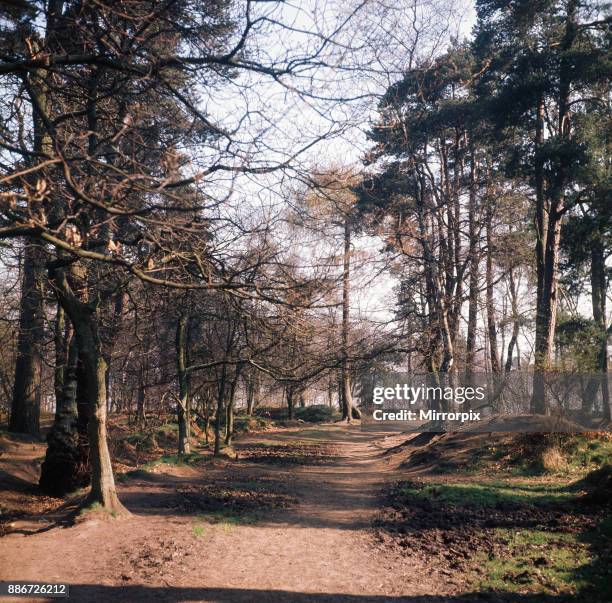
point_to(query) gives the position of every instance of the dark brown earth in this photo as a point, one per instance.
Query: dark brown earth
(311, 513)
(297, 509)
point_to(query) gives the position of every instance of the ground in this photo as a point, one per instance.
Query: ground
(314, 513)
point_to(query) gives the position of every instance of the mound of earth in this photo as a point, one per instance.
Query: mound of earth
(525, 423)
(598, 484)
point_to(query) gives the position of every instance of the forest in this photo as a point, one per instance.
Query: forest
(224, 223)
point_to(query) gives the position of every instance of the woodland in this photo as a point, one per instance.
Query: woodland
(221, 220)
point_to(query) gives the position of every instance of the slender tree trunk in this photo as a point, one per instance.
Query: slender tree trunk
(515, 321)
(220, 401)
(184, 424)
(207, 416)
(598, 298)
(548, 220)
(289, 392)
(250, 392)
(491, 320)
(253, 393)
(474, 259)
(330, 390)
(27, 388)
(141, 415)
(229, 415)
(541, 360)
(347, 399)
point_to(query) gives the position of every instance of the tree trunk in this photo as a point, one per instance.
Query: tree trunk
(253, 393)
(220, 400)
(290, 402)
(474, 259)
(598, 298)
(84, 318)
(538, 400)
(61, 471)
(141, 415)
(184, 424)
(27, 388)
(548, 220)
(347, 399)
(229, 415)
(491, 321)
(515, 322)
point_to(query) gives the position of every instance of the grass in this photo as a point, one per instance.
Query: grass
(96, 507)
(535, 562)
(228, 518)
(176, 459)
(573, 455)
(576, 563)
(492, 494)
(197, 530)
(567, 455)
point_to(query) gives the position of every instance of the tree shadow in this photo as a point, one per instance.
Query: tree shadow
(98, 593)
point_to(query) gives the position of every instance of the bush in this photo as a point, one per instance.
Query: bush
(317, 413)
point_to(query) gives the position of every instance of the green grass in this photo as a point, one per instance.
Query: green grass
(584, 454)
(229, 517)
(581, 454)
(492, 494)
(176, 459)
(535, 562)
(92, 508)
(197, 530)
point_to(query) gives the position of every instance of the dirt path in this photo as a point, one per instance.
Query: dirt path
(320, 549)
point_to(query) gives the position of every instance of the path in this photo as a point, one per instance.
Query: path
(321, 549)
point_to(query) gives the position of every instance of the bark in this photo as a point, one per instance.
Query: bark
(62, 471)
(289, 392)
(515, 322)
(330, 390)
(184, 424)
(538, 400)
(219, 413)
(27, 388)
(598, 299)
(347, 399)
(490, 302)
(474, 260)
(229, 414)
(84, 318)
(549, 213)
(254, 386)
(141, 416)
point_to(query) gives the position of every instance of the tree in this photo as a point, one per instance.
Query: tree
(538, 59)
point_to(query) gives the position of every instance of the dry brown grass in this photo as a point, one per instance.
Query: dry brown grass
(552, 459)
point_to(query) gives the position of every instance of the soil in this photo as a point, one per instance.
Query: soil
(306, 513)
(289, 520)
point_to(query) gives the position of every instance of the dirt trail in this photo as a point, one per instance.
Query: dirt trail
(321, 549)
